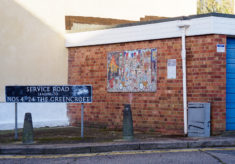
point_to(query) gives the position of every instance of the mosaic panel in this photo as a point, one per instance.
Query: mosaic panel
(132, 71)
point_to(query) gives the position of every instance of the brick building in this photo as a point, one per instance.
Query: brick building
(207, 42)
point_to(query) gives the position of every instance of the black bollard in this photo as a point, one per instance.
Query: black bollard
(127, 123)
(27, 137)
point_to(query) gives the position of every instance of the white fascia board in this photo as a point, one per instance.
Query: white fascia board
(200, 26)
(124, 34)
(224, 26)
(163, 30)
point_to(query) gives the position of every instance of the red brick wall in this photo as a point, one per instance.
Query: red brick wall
(162, 111)
(206, 76)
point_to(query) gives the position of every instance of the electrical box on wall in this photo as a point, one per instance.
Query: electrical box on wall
(198, 119)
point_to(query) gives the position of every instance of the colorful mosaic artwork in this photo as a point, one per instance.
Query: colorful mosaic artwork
(132, 71)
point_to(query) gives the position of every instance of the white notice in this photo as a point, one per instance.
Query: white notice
(171, 69)
(220, 48)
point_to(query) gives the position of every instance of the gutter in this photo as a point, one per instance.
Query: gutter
(183, 25)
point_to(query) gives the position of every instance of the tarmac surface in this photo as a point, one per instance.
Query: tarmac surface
(117, 145)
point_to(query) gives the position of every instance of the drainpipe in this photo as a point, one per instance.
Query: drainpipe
(183, 26)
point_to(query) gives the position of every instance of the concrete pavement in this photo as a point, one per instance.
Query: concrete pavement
(119, 145)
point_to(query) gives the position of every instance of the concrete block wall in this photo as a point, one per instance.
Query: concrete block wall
(161, 111)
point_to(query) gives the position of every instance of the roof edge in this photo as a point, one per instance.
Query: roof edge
(176, 18)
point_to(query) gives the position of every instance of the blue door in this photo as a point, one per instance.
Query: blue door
(230, 84)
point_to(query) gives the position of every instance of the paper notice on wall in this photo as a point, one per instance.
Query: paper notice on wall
(171, 69)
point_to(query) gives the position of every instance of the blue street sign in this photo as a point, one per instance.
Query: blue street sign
(49, 94)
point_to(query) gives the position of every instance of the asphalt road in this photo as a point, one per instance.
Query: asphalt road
(175, 156)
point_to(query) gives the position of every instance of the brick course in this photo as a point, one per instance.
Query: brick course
(162, 111)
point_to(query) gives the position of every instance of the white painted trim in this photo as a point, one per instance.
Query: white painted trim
(162, 30)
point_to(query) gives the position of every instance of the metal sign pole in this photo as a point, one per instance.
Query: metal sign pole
(16, 129)
(82, 112)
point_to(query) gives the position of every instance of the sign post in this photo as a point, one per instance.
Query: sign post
(49, 94)
(82, 126)
(16, 129)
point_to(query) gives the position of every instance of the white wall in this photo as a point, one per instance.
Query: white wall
(31, 44)
(32, 52)
(130, 9)
(43, 114)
